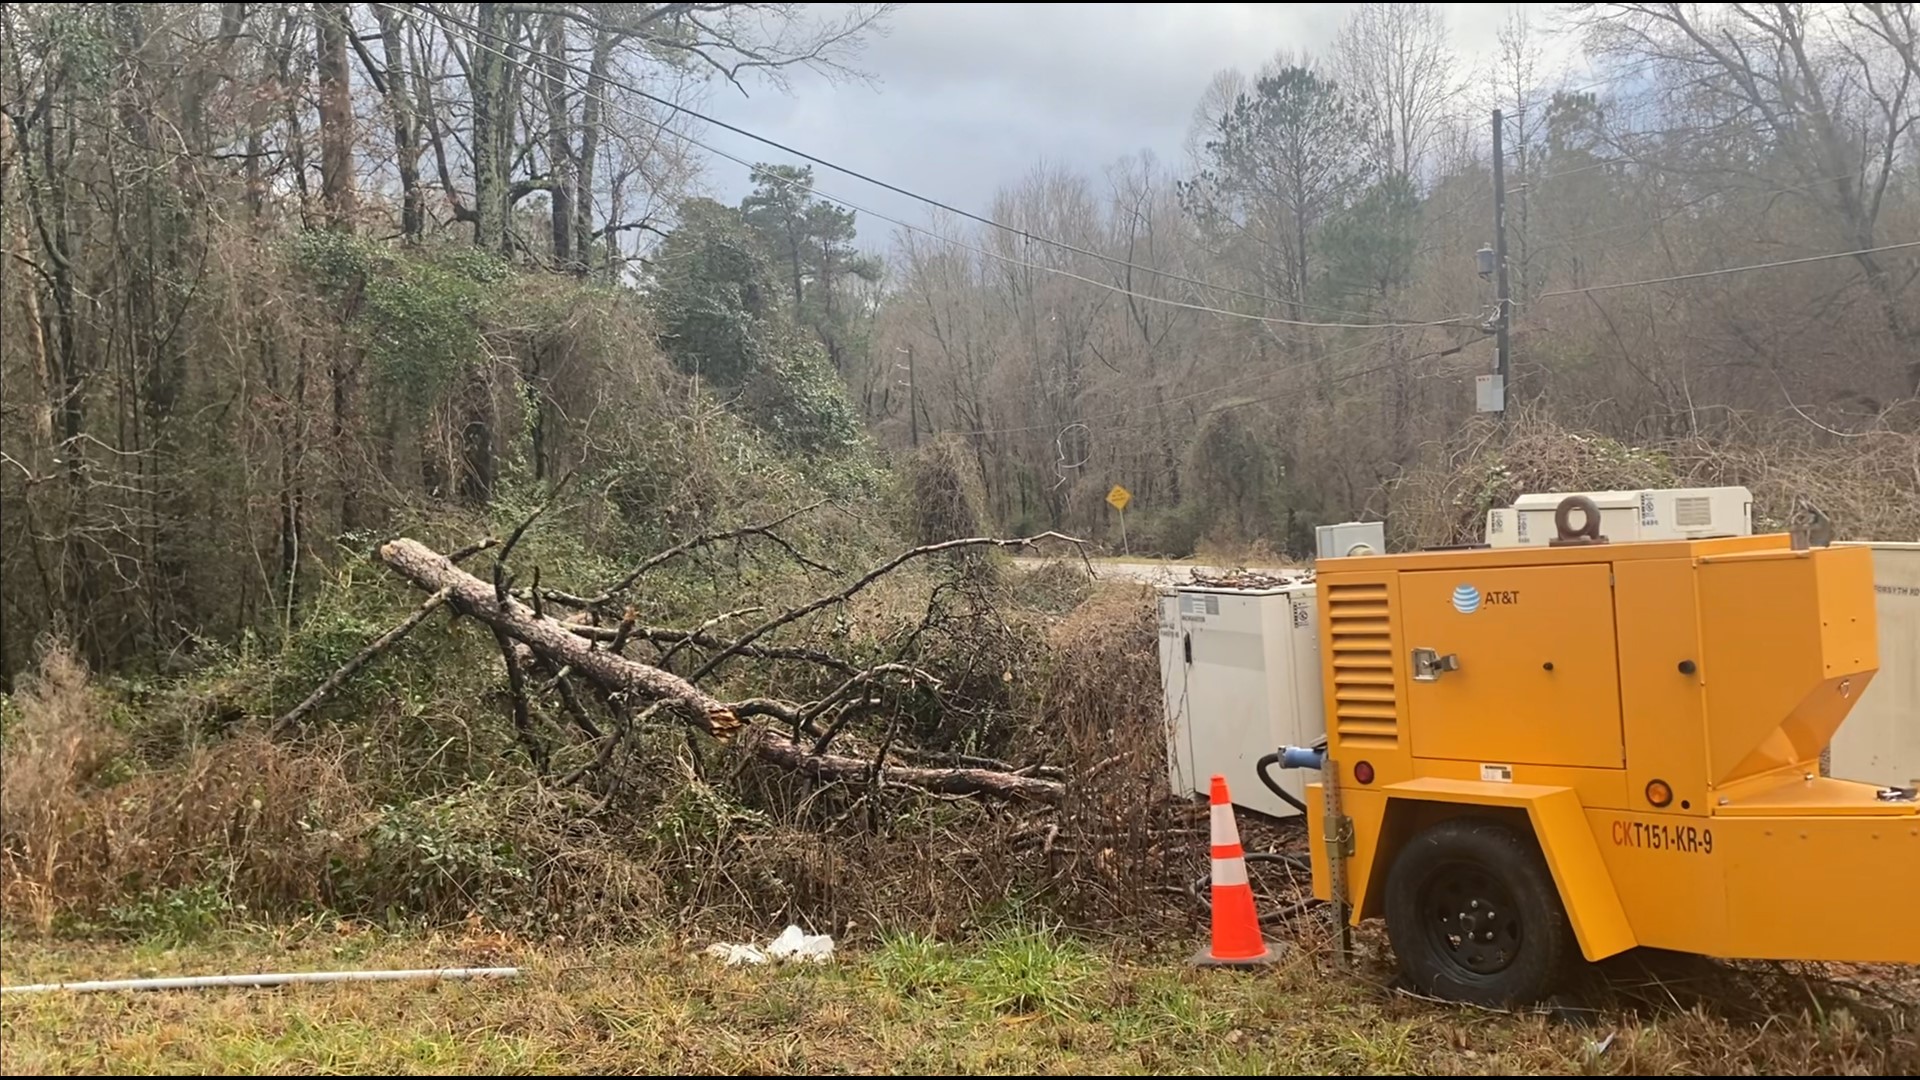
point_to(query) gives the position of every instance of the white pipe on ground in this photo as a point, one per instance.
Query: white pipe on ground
(198, 982)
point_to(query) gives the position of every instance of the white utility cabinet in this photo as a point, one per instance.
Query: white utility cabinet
(1879, 741)
(1240, 669)
(1666, 514)
(1351, 538)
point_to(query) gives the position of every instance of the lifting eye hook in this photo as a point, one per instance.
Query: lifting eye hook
(1589, 530)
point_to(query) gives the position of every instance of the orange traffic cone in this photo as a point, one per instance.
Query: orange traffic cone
(1236, 928)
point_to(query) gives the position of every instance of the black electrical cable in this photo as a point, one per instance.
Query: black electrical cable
(1293, 860)
(1273, 785)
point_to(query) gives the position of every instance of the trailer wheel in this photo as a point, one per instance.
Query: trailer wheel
(1474, 916)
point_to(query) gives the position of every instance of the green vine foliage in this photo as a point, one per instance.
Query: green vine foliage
(719, 319)
(418, 317)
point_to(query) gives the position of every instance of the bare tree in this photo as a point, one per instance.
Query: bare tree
(1227, 86)
(1803, 86)
(332, 29)
(1395, 64)
(1522, 96)
(396, 82)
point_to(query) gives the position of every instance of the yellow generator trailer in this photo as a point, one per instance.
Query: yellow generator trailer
(1606, 745)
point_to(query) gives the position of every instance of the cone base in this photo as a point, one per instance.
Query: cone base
(1205, 957)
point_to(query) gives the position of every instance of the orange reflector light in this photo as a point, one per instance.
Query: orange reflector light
(1658, 793)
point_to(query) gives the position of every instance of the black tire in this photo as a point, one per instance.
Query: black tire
(1514, 941)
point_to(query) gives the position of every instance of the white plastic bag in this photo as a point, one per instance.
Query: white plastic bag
(794, 944)
(730, 954)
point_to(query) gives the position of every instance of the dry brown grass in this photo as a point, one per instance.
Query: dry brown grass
(55, 750)
(1010, 1001)
(350, 820)
(84, 826)
(943, 496)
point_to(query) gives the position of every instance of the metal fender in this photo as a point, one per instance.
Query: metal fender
(1560, 825)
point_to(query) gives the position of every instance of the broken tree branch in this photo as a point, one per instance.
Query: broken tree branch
(375, 648)
(725, 616)
(785, 711)
(521, 529)
(557, 681)
(609, 744)
(464, 553)
(626, 629)
(914, 677)
(780, 749)
(862, 582)
(666, 635)
(703, 540)
(616, 677)
(473, 597)
(575, 709)
(522, 709)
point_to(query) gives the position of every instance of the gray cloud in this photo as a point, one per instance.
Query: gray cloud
(966, 98)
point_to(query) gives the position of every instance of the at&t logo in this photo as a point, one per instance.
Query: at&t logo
(1467, 599)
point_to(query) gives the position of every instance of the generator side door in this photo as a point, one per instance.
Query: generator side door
(1514, 665)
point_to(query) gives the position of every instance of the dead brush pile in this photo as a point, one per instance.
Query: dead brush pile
(1121, 850)
(1868, 486)
(415, 800)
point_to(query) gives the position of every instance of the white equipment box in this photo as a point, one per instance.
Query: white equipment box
(1351, 538)
(1674, 514)
(1241, 672)
(1879, 742)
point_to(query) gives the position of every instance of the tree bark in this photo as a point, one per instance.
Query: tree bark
(492, 119)
(406, 137)
(331, 26)
(781, 750)
(603, 44)
(559, 144)
(473, 597)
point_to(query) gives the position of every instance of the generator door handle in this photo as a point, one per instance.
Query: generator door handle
(1429, 664)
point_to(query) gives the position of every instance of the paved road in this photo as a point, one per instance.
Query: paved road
(1155, 573)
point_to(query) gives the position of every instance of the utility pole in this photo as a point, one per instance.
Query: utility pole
(913, 399)
(1503, 350)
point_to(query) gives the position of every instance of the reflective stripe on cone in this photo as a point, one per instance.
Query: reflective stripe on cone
(1236, 937)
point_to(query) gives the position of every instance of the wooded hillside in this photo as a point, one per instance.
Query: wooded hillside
(280, 277)
(1283, 328)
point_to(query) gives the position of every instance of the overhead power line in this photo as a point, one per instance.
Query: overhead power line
(1729, 270)
(473, 41)
(1648, 224)
(1215, 391)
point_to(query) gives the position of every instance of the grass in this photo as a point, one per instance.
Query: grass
(1018, 1001)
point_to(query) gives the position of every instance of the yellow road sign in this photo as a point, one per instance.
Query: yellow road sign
(1119, 497)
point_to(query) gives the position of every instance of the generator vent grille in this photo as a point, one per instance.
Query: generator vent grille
(1366, 706)
(1693, 512)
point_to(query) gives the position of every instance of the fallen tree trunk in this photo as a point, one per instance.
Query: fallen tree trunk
(470, 596)
(561, 648)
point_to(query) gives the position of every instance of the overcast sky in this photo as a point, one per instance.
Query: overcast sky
(967, 97)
